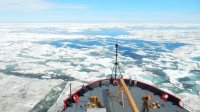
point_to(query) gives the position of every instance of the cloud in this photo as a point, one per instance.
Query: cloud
(70, 6)
(23, 5)
(35, 5)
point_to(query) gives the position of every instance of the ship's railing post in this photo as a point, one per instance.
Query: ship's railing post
(70, 89)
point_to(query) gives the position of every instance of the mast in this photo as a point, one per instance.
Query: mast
(116, 64)
(116, 61)
(123, 86)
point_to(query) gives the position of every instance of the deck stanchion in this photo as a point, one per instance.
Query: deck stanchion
(70, 89)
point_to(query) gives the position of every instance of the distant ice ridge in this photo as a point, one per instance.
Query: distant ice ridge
(84, 52)
(149, 31)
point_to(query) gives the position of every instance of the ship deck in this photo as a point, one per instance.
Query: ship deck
(102, 88)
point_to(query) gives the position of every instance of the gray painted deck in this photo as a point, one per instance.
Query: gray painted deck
(107, 101)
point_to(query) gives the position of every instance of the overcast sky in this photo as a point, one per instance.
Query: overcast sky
(100, 11)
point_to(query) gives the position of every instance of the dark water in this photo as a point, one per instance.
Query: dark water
(196, 58)
(127, 47)
(189, 83)
(153, 49)
(139, 44)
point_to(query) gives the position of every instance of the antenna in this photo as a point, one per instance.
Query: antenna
(116, 65)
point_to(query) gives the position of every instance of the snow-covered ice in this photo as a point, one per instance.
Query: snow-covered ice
(35, 57)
